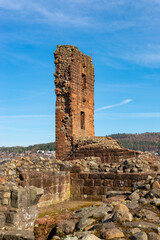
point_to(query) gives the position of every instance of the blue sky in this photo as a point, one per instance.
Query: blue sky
(122, 36)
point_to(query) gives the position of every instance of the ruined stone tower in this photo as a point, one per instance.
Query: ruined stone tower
(74, 80)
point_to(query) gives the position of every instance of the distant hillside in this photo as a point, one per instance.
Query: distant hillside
(143, 142)
(33, 148)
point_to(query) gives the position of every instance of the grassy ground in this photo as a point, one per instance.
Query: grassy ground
(64, 207)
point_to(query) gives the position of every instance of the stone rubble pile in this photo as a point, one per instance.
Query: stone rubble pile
(105, 142)
(10, 171)
(144, 162)
(132, 215)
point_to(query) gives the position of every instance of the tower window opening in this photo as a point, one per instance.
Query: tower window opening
(83, 81)
(82, 120)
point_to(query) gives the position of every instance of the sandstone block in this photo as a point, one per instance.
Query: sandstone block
(113, 233)
(12, 218)
(155, 185)
(139, 236)
(35, 194)
(84, 222)
(66, 227)
(2, 220)
(121, 213)
(153, 236)
(90, 237)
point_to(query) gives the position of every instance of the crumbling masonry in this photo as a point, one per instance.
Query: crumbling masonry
(74, 80)
(86, 167)
(99, 164)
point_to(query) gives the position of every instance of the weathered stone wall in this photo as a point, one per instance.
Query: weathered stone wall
(94, 186)
(54, 176)
(74, 80)
(92, 178)
(41, 173)
(18, 206)
(106, 149)
(106, 155)
(56, 184)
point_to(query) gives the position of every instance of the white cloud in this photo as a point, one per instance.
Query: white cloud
(11, 5)
(127, 115)
(43, 12)
(26, 116)
(122, 87)
(105, 16)
(20, 129)
(148, 58)
(142, 54)
(84, 13)
(114, 105)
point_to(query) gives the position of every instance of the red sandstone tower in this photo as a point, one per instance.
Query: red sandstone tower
(74, 80)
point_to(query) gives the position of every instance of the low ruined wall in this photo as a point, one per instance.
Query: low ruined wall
(106, 155)
(94, 186)
(18, 206)
(84, 178)
(56, 184)
(41, 173)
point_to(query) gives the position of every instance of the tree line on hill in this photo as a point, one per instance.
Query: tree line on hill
(141, 142)
(32, 148)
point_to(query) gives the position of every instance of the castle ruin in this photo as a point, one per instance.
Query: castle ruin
(86, 167)
(74, 80)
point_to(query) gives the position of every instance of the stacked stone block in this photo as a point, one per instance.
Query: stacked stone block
(106, 155)
(56, 185)
(95, 186)
(46, 174)
(18, 206)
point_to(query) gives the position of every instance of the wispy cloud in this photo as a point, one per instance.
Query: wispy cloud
(122, 87)
(78, 13)
(20, 129)
(30, 95)
(10, 5)
(26, 116)
(114, 105)
(121, 54)
(48, 13)
(128, 115)
(107, 16)
(146, 57)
